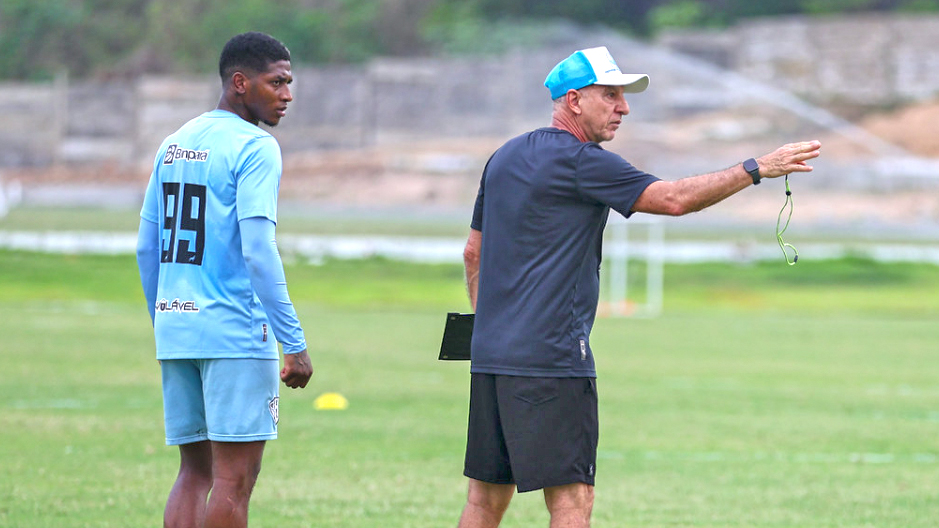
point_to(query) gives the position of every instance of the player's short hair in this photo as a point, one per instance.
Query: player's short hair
(250, 52)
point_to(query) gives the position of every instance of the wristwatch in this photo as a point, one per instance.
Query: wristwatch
(753, 168)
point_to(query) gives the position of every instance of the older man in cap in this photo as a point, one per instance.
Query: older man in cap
(532, 270)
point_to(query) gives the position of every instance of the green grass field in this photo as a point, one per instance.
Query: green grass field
(765, 396)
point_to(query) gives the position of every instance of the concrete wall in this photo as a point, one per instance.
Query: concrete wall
(32, 123)
(865, 60)
(334, 107)
(868, 60)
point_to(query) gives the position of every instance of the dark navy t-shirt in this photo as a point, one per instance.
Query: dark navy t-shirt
(542, 205)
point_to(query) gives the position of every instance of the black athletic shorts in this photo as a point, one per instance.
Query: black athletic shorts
(532, 432)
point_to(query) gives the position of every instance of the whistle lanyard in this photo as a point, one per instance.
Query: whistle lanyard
(787, 248)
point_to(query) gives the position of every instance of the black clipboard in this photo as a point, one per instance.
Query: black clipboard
(457, 336)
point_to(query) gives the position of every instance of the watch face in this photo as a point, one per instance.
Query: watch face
(753, 169)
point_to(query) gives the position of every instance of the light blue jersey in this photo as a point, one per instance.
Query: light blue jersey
(213, 172)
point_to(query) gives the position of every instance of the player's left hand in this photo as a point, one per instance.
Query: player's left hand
(297, 370)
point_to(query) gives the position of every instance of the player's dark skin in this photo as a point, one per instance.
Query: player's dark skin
(261, 96)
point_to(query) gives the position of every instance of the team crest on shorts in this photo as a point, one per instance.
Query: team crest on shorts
(274, 406)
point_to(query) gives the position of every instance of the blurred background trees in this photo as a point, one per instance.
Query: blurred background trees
(114, 38)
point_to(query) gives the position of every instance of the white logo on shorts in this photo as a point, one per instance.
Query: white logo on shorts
(274, 406)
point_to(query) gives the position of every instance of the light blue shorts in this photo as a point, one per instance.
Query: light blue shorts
(223, 400)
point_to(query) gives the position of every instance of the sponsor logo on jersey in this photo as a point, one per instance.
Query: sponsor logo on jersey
(174, 152)
(176, 306)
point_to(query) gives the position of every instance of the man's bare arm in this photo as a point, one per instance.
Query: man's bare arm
(471, 254)
(695, 193)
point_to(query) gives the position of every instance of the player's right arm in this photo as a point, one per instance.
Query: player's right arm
(694, 193)
(148, 261)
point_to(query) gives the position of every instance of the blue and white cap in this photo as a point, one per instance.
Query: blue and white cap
(592, 66)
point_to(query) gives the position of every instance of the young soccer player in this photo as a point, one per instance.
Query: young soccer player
(215, 287)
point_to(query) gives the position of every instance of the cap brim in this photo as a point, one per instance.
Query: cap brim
(631, 82)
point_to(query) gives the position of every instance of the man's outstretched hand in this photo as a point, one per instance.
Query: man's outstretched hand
(789, 158)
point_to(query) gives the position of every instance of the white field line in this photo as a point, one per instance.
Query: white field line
(315, 248)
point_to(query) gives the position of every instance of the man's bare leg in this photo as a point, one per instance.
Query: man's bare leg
(185, 506)
(485, 504)
(235, 470)
(570, 506)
